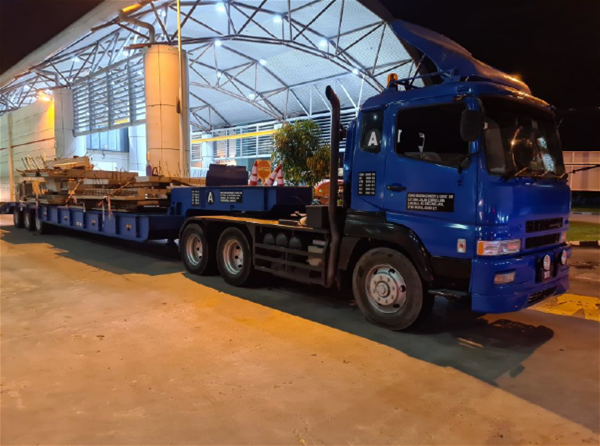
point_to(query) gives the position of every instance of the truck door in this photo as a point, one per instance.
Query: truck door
(368, 164)
(424, 188)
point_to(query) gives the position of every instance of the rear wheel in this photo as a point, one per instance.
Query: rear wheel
(234, 257)
(18, 218)
(29, 220)
(197, 252)
(388, 289)
(40, 226)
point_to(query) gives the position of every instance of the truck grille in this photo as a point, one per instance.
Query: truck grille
(535, 297)
(542, 240)
(543, 225)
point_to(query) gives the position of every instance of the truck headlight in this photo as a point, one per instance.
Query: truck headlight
(498, 247)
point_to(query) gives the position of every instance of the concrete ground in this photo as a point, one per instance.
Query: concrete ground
(104, 344)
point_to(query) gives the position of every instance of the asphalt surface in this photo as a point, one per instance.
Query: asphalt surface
(110, 344)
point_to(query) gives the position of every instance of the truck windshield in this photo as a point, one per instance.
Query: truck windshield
(521, 140)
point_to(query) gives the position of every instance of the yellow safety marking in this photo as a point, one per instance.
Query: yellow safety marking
(237, 136)
(570, 304)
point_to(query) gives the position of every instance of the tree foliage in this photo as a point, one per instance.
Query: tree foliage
(303, 158)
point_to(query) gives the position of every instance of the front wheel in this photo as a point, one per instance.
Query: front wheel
(388, 289)
(234, 257)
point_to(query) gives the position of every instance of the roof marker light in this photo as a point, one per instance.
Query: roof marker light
(220, 7)
(263, 62)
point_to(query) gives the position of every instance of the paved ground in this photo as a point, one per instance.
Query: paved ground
(109, 345)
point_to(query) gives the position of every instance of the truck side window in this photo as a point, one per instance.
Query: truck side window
(372, 126)
(432, 134)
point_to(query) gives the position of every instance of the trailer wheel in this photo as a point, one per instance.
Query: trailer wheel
(389, 291)
(17, 218)
(29, 220)
(197, 252)
(40, 226)
(234, 257)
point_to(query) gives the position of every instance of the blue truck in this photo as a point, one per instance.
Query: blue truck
(453, 186)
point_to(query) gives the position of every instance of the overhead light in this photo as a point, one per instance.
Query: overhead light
(355, 71)
(76, 59)
(27, 88)
(163, 12)
(251, 96)
(44, 97)
(323, 43)
(263, 62)
(220, 7)
(219, 74)
(218, 43)
(277, 19)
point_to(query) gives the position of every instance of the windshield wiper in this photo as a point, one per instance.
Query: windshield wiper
(519, 173)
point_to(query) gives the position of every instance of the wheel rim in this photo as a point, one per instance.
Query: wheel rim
(386, 289)
(194, 249)
(233, 256)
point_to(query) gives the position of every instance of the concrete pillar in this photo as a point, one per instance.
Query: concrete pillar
(66, 144)
(163, 107)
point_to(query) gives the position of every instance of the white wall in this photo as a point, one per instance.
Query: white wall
(33, 135)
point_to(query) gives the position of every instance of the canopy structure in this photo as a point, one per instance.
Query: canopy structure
(249, 61)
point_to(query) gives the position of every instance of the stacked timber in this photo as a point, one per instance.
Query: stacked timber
(73, 182)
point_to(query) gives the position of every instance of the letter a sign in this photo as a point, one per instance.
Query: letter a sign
(210, 198)
(373, 139)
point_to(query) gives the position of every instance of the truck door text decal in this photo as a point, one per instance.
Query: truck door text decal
(431, 202)
(366, 183)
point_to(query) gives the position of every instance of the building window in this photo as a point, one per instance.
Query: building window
(112, 140)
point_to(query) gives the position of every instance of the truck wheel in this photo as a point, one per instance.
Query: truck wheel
(234, 257)
(18, 218)
(388, 289)
(197, 252)
(29, 220)
(41, 227)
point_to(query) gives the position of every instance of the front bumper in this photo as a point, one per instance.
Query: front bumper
(527, 287)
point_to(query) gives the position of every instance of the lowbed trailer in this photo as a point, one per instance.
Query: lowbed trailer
(454, 188)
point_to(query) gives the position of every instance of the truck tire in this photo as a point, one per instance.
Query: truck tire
(197, 252)
(389, 291)
(234, 257)
(18, 218)
(41, 227)
(29, 219)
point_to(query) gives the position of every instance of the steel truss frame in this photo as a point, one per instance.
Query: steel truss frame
(83, 59)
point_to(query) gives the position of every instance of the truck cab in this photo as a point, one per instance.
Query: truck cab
(464, 174)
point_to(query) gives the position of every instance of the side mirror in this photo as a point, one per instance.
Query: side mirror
(471, 124)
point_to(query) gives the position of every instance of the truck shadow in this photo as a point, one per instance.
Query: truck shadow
(491, 348)
(150, 258)
(497, 349)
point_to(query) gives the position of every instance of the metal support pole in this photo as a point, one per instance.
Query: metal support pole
(11, 162)
(183, 132)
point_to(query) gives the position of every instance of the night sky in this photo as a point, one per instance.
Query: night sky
(553, 45)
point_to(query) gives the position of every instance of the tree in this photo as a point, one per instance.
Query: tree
(303, 158)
